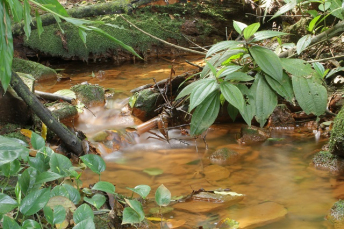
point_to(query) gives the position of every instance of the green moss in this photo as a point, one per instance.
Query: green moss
(62, 110)
(37, 70)
(89, 94)
(326, 160)
(336, 143)
(337, 211)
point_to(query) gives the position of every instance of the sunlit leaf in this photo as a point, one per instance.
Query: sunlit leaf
(297, 67)
(94, 162)
(268, 61)
(205, 114)
(142, 190)
(162, 196)
(239, 26)
(201, 92)
(233, 95)
(54, 6)
(303, 43)
(35, 201)
(250, 30)
(312, 24)
(104, 186)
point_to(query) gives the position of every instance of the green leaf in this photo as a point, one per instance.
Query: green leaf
(266, 100)
(153, 171)
(289, 6)
(35, 201)
(232, 111)
(94, 162)
(319, 68)
(324, 6)
(130, 216)
(250, 30)
(27, 19)
(205, 114)
(284, 89)
(229, 69)
(268, 61)
(16, 10)
(188, 89)
(220, 46)
(40, 162)
(54, 6)
(337, 9)
(249, 108)
(6, 47)
(142, 190)
(239, 26)
(9, 154)
(47, 177)
(311, 96)
(303, 43)
(59, 214)
(82, 213)
(201, 92)
(97, 200)
(7, 204)
(137, 207)
(30, 224)
(162, 196)
(37, 141)
(87, 223)
(9, 223)
(49, 214)
(60, 164)
(82, 35)
(297, 67)
(27, 180)
(212, 68)
(39, 24)
(334, 71)
(73, 193)
(104, 186)
(262, 35)
(239, 76)
(232, 94)
(11, 168)
(312, 24)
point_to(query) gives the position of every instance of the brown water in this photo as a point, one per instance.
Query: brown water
(276, 172)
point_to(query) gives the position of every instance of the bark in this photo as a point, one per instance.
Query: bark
(82, 12)
(70, 140)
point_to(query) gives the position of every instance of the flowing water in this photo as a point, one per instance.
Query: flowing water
(274, 176)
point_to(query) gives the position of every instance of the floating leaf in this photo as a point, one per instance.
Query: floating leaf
(153, 171)
(97, 200)
(104, 186)
(162, 196)
(35, 201)
(268, 61)
(142, 190)
(94, 162)
(303, 43)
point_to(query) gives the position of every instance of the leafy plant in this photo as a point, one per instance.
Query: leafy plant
(250, 78)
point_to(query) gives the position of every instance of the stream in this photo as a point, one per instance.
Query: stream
(282, 189)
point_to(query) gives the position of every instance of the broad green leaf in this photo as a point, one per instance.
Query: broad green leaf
(239, 76)
(87, 223)
(284, 89)
(82, 35)
(319, 68)
(201, 92)
(205, 114)
(73, 193)
(239, 26)
(249, 108)
(212, 68)
(16, 10)
(130, 216)
(104, 186)
(262, 35)
(97, 200)
(82, 213)
(60, 164)
(289, 6)
(9, 223)
(337, 9)
(312, 24)
(49, 214)
(324, 6)
(334, 71)
(268, 61)
(11, 168)
(153, 171)
(59, 190)
(189, 88)
(311, 96)
(35, 201)
(9, 154)
(162, 196)
(40, 162)
(297, 67)
(59, 214)
(7, 204)
(94, 162)
(142, 190)
(233, 95)
(47, 177)
(250, 30)
(220, 46)
(6, 141)
(232, 111)
(137, 207)
(54, 6)
(27, 180)
(31, 224)
(266, 100)
(6, 47)
(39, 24)
(37, 141)
(27, 19)
(229, 69)
(303, 43)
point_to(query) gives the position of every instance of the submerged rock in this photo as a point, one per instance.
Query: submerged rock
(336, 215)
(216, 172)
(324, 160)
(146, 103)
(253, 134)
(88, 94)
(336, 143)
(224, 156)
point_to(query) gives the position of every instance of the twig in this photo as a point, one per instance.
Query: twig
(198, 46)
(195, 65)
(330, 58)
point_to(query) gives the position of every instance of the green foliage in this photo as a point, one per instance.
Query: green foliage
(233, 63)
(104, 186)
(94, 162)
(162, 196)
(97, 200)
(142, 190)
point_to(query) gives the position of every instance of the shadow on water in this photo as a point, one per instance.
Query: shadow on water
(275, 176)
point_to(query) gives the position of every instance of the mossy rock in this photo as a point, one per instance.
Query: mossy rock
(63, 110)
(146, 103)
(336, 143)
(224, 156)
(324, 160)
(37, 70)
(253, 134)
(336, 215)
(88, 94)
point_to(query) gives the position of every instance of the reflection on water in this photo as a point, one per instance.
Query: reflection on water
(274, 173)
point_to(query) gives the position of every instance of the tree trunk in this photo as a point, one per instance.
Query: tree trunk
(70, 140)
